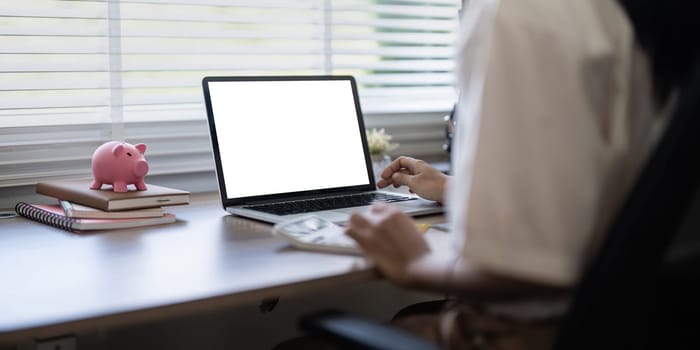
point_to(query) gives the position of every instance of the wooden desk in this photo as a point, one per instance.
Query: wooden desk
(54, 282)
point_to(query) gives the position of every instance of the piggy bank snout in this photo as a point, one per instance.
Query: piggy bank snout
(141, 168)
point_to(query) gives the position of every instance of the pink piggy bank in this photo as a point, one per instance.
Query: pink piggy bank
(119, 164)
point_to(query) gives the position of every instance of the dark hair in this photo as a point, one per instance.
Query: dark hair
(665, 30)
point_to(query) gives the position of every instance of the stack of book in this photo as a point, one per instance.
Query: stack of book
(80, 208)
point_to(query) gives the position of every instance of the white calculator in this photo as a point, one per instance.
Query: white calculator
(316, 233)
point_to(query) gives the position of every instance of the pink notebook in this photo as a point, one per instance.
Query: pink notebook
(53, 215)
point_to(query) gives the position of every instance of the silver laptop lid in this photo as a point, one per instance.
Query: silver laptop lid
(284, 137)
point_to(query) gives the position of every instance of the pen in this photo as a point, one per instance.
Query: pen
(67, 208)
(422, 228)
(7, 214)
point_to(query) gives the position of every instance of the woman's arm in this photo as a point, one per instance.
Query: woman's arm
(390, 238)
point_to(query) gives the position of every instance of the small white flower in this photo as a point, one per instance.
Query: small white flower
(379, 142)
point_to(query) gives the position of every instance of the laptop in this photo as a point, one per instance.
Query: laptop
(291, 146)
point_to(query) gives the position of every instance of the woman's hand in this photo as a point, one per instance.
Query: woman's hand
(419, 176)
(391, 239)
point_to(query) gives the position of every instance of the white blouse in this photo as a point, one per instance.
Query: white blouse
(555, 119)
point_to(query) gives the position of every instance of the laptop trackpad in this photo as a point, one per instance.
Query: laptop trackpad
(341, 216)
(337, 216)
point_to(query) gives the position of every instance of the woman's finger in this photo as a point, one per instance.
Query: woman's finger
(358, 227)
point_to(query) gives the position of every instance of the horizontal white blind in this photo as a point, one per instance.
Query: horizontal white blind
(74, 74)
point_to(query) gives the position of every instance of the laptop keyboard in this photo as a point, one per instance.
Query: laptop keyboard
(329, 203)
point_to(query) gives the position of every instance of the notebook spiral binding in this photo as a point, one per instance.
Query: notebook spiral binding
(44, 217)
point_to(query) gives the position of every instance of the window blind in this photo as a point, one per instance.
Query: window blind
(75, 74)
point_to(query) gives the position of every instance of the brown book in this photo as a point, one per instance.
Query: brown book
(106, 199)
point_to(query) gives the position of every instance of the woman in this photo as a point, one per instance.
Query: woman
(561, 103)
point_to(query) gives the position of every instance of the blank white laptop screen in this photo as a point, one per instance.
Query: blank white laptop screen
(287, 136)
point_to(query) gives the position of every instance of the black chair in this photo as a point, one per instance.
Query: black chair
(631, 296)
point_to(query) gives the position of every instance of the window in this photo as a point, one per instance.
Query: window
(75, 74)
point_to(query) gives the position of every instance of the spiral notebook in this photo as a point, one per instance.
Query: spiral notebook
(53, 215)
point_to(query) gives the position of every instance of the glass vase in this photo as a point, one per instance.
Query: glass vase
(379, 163)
